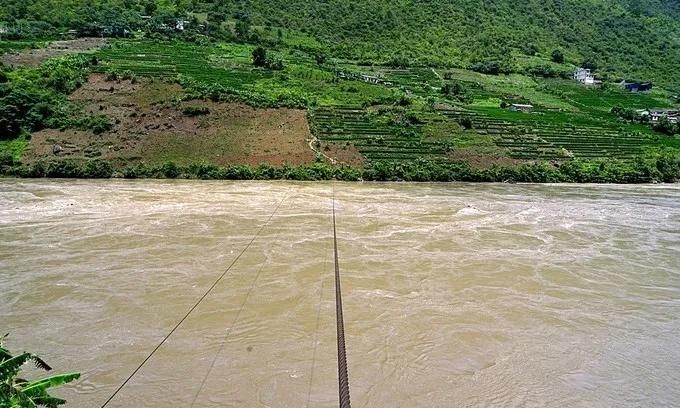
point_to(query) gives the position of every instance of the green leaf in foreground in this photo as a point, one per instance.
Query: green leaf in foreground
(16, 392)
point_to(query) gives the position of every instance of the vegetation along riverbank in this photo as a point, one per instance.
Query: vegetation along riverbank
(226, 91)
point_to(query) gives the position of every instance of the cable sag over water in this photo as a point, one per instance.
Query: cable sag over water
(201, 299)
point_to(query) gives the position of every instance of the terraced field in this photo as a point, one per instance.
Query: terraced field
(571, 121)
(346, 124)
(524, 140)
(532, 140)
(212, 65)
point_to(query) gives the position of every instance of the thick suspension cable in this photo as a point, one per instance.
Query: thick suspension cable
(343, 375)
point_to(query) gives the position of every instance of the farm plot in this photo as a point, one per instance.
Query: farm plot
(146, 58)
(535, 140)
(350, 126)
(420, 81)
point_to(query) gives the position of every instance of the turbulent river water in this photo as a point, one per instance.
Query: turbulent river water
(455, 295)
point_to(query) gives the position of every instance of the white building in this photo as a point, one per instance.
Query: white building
(518, 107)
(584, 76)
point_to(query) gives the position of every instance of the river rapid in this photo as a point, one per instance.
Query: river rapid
(455, 295)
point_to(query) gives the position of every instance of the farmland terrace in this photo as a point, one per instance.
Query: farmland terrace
(256, 115)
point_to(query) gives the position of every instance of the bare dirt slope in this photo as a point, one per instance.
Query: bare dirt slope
(151, 126)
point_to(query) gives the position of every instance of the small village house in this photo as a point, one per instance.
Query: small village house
(636, 86)
(584, 76)
(655, 115)
(518, 107)
(362, 77)
(181, 24)
(374, 80)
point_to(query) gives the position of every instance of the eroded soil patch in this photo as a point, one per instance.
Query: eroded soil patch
(151, 125)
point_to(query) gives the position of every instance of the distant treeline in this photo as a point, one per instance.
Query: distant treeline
(664, 167)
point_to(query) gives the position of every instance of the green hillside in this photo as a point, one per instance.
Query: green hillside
(466, 90)
(624, 38)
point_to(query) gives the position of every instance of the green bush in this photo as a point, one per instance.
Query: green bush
(170, 170)
(34, 98)
(98, 169)
(457, 91)
(6, 159)
(557, 57)
(112, 75)
(98, 124)
(195, 110)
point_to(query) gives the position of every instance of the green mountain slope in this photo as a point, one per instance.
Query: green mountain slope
(624, 39)
(633, 39)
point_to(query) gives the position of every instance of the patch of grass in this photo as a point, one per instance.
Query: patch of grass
(13, 148)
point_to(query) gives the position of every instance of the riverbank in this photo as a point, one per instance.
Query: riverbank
(664, 168)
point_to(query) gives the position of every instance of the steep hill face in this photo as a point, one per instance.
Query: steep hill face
(624, 39)
(631, 38)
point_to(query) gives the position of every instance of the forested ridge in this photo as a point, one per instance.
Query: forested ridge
(624, 39)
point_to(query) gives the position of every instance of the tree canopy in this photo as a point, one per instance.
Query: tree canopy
(627, 38)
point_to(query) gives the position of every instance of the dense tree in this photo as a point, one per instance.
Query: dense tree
(243, 27)
(260, 57)
(557, 56)
(150, 8)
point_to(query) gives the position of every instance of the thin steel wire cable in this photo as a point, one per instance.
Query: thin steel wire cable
(226, 336)
(127, 380)
(316, 342)
(343, 375)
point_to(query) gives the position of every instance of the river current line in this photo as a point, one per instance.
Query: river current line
(343, 375)
(127, 380)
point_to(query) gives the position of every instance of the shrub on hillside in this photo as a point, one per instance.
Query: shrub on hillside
(665, 126)
(557, 57)
(456, 91)
(491, 68)
(195, 110)
(98, 124)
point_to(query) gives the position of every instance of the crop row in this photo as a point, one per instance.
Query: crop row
(348, 124)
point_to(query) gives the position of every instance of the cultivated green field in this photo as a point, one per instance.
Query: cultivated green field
(410, 118)
(13, 46)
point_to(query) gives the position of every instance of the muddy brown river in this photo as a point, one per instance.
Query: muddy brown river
(455, 295)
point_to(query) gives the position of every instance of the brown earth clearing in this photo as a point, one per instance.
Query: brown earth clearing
(151, 124)
(344, 154)
(35, 57)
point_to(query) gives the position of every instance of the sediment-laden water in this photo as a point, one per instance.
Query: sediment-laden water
(455, 295)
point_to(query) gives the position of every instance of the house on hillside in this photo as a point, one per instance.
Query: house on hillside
(655, 115)
(362, 77)
(518, 107)
(636, 86)
(181, 23)
(374, 80)
(584, 76)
